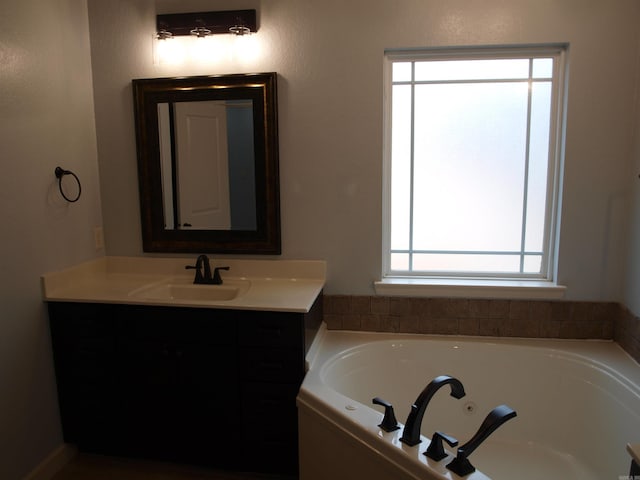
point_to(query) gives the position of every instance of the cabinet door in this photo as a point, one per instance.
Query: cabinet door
(181, 381)
(207, 404)
(270, 425)
(84, 348)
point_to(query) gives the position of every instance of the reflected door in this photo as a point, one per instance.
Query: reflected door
(202, 165)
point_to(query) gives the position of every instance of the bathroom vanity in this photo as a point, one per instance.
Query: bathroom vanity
(147, 374)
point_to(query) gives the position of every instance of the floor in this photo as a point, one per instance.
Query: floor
(97, 467)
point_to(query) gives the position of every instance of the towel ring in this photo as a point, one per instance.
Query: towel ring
(60, 172)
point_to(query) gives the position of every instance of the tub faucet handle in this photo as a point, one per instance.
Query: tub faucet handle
(461, 464)
(389, 422)
(436, 449)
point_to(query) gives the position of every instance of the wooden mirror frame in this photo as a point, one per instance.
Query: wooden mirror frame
(262, 90)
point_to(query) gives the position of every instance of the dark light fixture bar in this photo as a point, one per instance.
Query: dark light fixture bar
(206, 23)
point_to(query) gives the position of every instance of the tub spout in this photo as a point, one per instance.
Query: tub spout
(411, 432)
(499, 415)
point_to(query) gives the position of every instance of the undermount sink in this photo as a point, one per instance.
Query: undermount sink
(180, 290)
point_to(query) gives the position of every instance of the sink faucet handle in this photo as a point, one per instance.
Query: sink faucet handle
(435, 451)
(217, 279)
(198, 278)
(389, 422)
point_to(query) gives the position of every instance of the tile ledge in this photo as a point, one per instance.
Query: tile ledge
(469, 288)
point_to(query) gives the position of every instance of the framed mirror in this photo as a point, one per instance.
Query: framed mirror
(208, 163)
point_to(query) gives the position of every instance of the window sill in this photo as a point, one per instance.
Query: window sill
(469, 288)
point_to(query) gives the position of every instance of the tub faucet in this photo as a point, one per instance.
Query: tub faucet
(499, 415)
(411, 432)
(203, 272)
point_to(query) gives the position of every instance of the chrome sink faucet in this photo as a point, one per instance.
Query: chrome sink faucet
(411, 432)
(203, 272)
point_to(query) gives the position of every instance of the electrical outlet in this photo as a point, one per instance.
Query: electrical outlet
(98, 237)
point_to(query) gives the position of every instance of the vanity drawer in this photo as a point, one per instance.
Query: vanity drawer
(72, 321)
(189, 325)
(271, 365)
(274, 329)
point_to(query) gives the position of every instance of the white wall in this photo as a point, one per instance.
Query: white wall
(329, 58)
(46, 120)
(632, 285)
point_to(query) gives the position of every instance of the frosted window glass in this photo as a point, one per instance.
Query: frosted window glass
(465, 263)
(538, 165)
(400, 261)
(401, 71)
(532, 264)
(542, 67)
(470, 145)
(401, 165)
(472, 162)
(472, 70)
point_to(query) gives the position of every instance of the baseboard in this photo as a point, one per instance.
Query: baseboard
(53, 463)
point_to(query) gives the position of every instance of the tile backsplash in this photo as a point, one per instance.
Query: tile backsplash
(497, 318)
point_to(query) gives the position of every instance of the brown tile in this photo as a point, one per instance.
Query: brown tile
(370, 323)
(338, 304)
(607, 329)
(550, 329)
(469, 326)
(389, 323)
(498, 308)
(351, 321)
(380, 305)
(518, 310)
(581, 311)
(420, 307)
(360, 304)
(457, 308)
(449, 308)
(399, 306)
(489, 327)
(446, 326)
(333, 321)
(426, 326)
(408, 324)
(570, 329)
(438, 308)
(478, 308)
(525, 328)
(560, 311)
(540, 310)
(605, 311)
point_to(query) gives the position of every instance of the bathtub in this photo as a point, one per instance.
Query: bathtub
(577, 404)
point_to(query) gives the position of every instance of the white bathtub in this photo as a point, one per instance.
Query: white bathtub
(577, 404)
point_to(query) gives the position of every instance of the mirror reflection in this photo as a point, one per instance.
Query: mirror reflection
(207, 164)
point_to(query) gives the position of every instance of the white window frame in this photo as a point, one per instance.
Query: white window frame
(391, 279)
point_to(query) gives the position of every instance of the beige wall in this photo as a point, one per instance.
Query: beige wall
(632, 284)
(329, 58)
(46, 120)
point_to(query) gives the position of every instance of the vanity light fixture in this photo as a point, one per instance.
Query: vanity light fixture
(202, 24)
(239, 30)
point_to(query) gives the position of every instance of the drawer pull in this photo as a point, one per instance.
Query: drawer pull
(272, 331)
(270, 366)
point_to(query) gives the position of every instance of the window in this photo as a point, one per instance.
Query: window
(473, 146)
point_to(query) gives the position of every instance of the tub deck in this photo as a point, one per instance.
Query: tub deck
(571, 397)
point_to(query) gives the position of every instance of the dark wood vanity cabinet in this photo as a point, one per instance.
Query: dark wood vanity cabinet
(204, 386)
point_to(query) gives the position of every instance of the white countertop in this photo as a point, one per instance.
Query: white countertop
(274, 285)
